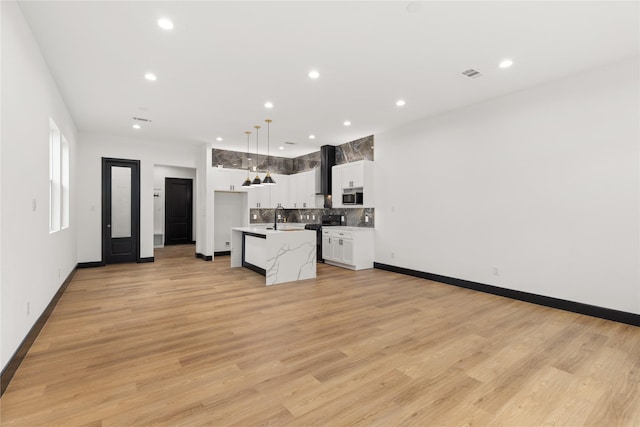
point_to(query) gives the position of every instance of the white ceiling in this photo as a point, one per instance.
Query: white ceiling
(224, 60)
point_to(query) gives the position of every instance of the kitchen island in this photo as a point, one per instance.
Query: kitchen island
(284, 255)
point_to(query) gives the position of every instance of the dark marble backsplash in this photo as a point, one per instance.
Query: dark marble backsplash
(354, 217)
(360, 149)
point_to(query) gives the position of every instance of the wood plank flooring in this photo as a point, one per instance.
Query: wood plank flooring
(183, 342)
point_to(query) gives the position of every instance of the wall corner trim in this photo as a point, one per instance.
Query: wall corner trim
(575, 307)
(16, 359)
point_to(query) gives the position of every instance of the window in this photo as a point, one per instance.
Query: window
(58, 179)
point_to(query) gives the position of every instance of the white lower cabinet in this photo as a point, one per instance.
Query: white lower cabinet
(348, 247)
(327, 249)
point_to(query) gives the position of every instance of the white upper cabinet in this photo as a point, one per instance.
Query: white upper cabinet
(280, 191)
(228, 179)
(303, 188)
(353, 175)
(298, 191)
(349, 177)
(270, 196)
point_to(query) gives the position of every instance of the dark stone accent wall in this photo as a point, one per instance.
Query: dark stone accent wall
(239, 160)
(354, 217)
(306, 162)
(360, 149)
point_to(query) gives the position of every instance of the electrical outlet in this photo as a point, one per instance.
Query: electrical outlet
(313, 217)
(496, 271)
(342, 218)
(34, 205)
(28, 308)
(393, 255)
(59, 273)
(279, 216)
(226, 243)
(307, 216)
(366, 218)
(255, 216)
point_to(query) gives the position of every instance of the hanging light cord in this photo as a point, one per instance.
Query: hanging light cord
(248, 165)
(257, 156)
(268, 135)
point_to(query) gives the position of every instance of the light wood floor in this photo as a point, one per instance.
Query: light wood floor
(186, 342)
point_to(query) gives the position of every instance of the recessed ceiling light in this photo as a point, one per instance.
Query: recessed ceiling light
(248, 158)
(268, 104)
(312, 136)
(282, 148)
(136, 126)
(151, 76)
(314, 74)
(506, 63)
(165, 24)
(347, 123)
(219, 138)
(400, 103)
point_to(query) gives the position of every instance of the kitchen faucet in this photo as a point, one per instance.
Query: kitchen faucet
(275, 217)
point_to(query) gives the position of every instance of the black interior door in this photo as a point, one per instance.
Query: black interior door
(178, 216)
(120, 210)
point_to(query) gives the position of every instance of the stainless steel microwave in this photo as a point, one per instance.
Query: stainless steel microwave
(354, 198)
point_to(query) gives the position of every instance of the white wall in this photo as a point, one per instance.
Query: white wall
(542, 184)
(160, 172)
(34, 262)
(91, 149)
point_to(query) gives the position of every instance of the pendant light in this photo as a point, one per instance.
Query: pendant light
(247, 182)
(257, 182)
(267, 179)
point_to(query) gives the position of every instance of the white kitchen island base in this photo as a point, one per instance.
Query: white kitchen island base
(281, 255)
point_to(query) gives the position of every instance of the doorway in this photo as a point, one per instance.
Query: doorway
(178, 216)
(228, 213)
(120, 210)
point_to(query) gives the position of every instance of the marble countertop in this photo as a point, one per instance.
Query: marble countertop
(346, 228)
(265, 231)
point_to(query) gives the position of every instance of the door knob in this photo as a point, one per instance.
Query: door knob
(108, 225)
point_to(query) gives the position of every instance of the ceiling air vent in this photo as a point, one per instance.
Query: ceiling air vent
(140, 119)
(472, 73)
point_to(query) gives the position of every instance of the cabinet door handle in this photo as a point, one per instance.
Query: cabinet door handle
(329, 239)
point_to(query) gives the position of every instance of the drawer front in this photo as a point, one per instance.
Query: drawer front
(343, 234)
